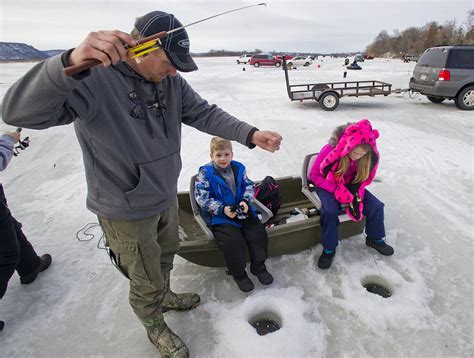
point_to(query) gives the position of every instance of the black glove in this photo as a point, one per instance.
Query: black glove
(354, 210)
(353, 188)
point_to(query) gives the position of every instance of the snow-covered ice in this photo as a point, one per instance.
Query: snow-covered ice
(79, 307)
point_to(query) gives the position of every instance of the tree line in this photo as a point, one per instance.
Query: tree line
(415, 40)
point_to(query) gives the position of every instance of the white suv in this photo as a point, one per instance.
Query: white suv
(245, 58)
(300, 61)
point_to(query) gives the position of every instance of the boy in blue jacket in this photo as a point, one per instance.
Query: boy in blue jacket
(225, 195)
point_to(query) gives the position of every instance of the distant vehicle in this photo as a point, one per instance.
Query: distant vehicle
(245, 58)
(264, 60)
(409, 57)
(287, 57)
(446, 72)
(368, 57)
(359, 57)
(300, 61)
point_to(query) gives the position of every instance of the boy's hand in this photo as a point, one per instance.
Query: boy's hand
(228, 211)
(267, 140)
(245, 206)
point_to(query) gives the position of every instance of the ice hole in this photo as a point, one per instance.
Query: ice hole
(377, 285)
(266, 322)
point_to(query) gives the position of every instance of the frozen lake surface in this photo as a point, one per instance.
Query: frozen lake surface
(79, 307)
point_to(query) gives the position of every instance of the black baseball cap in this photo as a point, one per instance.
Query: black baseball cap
(176, 44)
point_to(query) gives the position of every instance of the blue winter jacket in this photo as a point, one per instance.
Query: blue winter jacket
(213, 194)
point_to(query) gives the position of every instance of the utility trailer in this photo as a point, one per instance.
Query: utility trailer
(328, 93)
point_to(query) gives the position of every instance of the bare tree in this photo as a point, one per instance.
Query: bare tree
(416, 40)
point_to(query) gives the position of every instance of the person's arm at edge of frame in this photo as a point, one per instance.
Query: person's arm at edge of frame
(7, 141)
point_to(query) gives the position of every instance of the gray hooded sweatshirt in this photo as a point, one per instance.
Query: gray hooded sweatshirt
(129, 130)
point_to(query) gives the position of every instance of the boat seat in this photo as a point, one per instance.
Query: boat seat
(308, 188)
(265, 213)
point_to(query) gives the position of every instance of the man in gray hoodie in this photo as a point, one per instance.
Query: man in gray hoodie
(127, 115)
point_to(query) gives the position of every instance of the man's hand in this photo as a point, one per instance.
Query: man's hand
(267, 140)
(14, 135)
(106, 46)
(228, 211)
(245, 206)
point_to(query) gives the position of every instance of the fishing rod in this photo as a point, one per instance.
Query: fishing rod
(147, 44)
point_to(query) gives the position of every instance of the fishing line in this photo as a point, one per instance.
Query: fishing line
(84, 235)
(376, 264)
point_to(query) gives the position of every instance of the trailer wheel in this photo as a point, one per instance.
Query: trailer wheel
(329, 101)
(257, 64)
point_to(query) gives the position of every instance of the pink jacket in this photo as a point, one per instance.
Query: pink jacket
(323, 171)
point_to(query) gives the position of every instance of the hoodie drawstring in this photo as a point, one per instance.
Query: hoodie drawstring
(141, 96)
(162, 107)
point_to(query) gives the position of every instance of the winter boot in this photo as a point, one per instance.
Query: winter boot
(177, 301)
(380, 245)
(244, 282)
(262, 274)
(44, 264)
(325, 260)
(168, 343)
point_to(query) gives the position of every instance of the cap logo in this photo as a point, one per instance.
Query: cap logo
(184, 43)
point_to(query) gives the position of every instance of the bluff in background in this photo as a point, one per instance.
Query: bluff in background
(13, 51)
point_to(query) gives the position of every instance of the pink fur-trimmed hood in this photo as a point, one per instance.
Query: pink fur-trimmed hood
(354, 135)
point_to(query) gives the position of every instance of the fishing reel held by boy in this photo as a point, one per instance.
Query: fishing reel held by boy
(22, 144)
(239, 211)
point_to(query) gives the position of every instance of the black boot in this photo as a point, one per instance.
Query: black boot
(44, 264)
(325, 260)
(262, 274)
(380, 245)
(2, 324)
(244, 282)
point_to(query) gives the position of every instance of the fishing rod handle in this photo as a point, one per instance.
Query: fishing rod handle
(86, 64)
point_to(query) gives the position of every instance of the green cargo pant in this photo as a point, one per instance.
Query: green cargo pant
(143, 251)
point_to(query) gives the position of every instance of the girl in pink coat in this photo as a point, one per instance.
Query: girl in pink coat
(340, 173)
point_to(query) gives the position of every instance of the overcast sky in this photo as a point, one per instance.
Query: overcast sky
(294, 26)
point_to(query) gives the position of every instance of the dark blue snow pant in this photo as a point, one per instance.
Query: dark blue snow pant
(16, 253)
(330, 208)
(234, 241)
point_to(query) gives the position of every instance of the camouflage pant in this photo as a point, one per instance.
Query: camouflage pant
(143, 251)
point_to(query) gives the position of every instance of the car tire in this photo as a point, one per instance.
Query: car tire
(329, 101)
(435, 99)
(256, 64)
(277, 64)
(306, 64)
(290, 64)
(465, 99)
